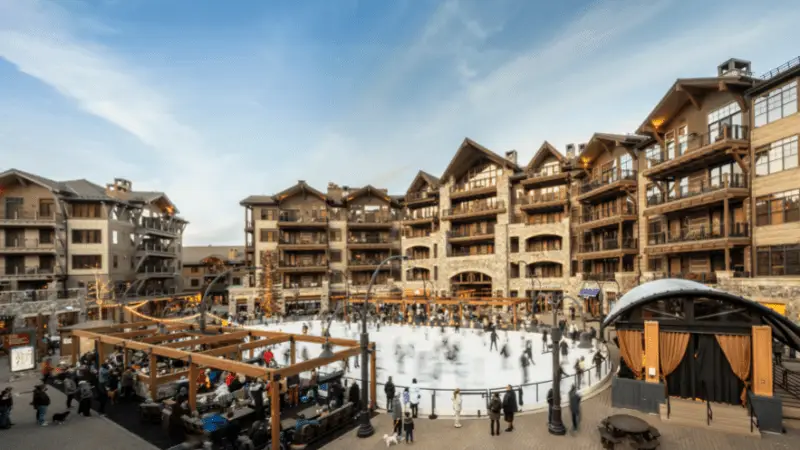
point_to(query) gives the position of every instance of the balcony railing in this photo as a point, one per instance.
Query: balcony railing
(148, 269)
(602, 276)
(157, 224)
(470, 251)
(297, 240)
(713, 184)
(418, 256)
(474, 207)
(26, 244)
(373, 239)
(36, 270)
(416, 196)
(535, 219)
(473, 185)
(27, 215)
(695, 142)
(372, 216)
(154, 247)
(412, 234)
(299, 218)
(616, 175)
(627, 209)
(304, 285)
(417, 215)
(609, 244)
(367, 262)
(303, 263)
(472, 232)
(40, 295)
(545, 172)
(546, 197)
(700, 277)
(701, 233)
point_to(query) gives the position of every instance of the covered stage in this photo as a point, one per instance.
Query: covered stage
(681, 339)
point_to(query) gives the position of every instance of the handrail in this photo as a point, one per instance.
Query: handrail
(753, 416)
(709, 413)
(669, 407)
(786, 379)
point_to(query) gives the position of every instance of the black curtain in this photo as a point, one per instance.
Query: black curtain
(624, 370)
(716, 380)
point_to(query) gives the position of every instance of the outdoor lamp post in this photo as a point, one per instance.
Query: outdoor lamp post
(556, 425)
(365, 428)
(601, 296)
(204, 300)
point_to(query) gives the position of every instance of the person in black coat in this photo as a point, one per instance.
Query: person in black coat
(354, 395)
(389, 391)
(509, 407)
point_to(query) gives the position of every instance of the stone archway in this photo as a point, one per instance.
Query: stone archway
(470, 284)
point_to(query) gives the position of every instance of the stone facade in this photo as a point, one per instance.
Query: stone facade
(22, 305)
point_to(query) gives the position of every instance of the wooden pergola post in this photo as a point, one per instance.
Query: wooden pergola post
(651, 351)
(153, 375)
(193, 373)
(101, 354)
(292, 351)
(76, 349)
(762, 360)
(275, 410)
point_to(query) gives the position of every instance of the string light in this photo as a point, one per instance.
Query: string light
(156, 319)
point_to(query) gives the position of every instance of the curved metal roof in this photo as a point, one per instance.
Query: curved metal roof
(782, 328)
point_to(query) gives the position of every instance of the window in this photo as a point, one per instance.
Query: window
(683, 140)
(265, 235)
(626, 165)
(336, 256)
(653, 155)
(669, 144)
(776, 157)
(335, 235)
(435, 273)
(732, 172)
(86, 261)
(775, 105)
(778, 260)
(195, 269)
(236, 281)
(86, 237)
(115, 237)
(514, 245)
(86, 210)
(775, 209)
(195, 282)
(729, 115)
(115, 261)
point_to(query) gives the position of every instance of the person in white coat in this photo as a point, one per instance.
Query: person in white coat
(457, 406)
(414, 398)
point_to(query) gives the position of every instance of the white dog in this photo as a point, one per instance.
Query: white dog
(390, 440)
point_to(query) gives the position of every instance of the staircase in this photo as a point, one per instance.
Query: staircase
(787, 387)
(731, 419)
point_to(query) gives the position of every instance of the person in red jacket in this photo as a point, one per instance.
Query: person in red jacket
(268, 357)
(229, 378)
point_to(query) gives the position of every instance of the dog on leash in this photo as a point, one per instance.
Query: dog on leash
(58, 419)
(390, 440)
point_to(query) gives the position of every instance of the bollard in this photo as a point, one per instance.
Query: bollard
(433, 406)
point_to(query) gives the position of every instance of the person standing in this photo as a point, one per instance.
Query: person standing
(6, 402)
(493, 339)
(550, 405)
(457, 406)
(388, 389)
(354, 395)
(509, 407)
(397, 415)
(414, 398)
(408, 426)
(40, 403)
(597, 360)
(85, 404)
(71, 389)
(102, 398)
(495, 407)
(575, 407)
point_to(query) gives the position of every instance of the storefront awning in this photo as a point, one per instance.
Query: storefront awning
(589, 292)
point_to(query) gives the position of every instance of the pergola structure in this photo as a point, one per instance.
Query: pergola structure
(180, 341)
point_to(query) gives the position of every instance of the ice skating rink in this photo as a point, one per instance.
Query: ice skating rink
(442, 362)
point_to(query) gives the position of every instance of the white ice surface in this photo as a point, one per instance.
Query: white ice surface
(476, 370)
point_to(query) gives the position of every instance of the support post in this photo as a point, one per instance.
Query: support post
(275, 411)
(292, 351)
(193, 373)
(153, 375)
(76, 349)
(373, 377)
(651, 351)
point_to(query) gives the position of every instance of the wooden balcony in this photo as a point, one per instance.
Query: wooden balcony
(420, 198)
(297, 243)
(599, 189)
(605, 218)
(155, 249)
(371, 242)
(702, 151)
(691, 240)
(414, 219)
(365, 220)
(26, 246)
(477, 210)
(304, 266)
(467, 251)
(159, 226)
(476, 234)
(547, 177)
(302, 222)
(543, 202)
(473, 189)
(364, 265)
(608, 248)
(28, 219)
(706, 193)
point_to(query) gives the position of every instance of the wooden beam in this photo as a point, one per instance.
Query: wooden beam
(172, 377)
(317, 362)
(135, 334)
(631, 152)
(740, 100)
(167, 352)
(696, 102)
(605, 147)
(723, 86)
(209, 340)
(246, 346)
(275, 409)
(163, 338)
(193, 373)
(740, 161)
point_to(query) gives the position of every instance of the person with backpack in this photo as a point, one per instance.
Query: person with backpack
(86, 394)
(495, 407)
(510, 407)
(414, 398)
(71, 389)
(40, 403)
(389, 391)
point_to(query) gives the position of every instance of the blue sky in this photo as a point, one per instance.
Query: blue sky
(211, 101)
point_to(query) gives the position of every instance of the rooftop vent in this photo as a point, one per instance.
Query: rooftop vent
(511, 155)
(734, 68)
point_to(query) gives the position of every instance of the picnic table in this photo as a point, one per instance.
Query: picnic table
(616, 429)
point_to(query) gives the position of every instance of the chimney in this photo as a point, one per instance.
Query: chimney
(570, 151)
(511, 155)
(334, 192)
(232, 254)
(581, 148)
(734, 68)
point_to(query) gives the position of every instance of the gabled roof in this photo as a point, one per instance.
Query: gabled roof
(469, 153)
(544, 151)
(47, 183)
(258, 200)
(690, 90)
(601, 141)
(423, 177)
(369, 190)
(300, 188)
(194, 255)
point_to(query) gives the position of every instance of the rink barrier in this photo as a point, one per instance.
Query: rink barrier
(474, 408)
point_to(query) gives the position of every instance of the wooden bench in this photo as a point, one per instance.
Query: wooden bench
(653, 433)
(640, 443)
